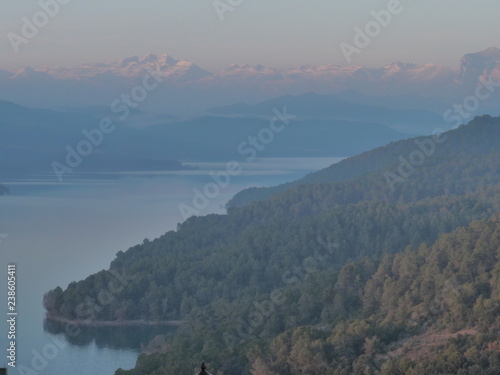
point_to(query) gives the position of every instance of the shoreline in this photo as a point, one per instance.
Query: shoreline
(114, 323)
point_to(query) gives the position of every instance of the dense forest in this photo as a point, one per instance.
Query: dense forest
(344, 272)
(431, 310)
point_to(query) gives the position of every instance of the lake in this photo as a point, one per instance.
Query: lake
(56, 233)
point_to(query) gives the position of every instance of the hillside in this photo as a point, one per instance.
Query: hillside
(429, 310)
(480, 137)
(322, 277)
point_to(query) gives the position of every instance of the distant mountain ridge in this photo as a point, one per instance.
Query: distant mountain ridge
(186, 85)
(314, 106)
(472, 66)
(132, 67)
(32, 139)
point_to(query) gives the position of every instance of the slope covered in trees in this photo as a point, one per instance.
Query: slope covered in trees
(428, 293)
(480, 137)
(327, 277)
(431, 310)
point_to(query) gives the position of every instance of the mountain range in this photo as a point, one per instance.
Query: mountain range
(186, 87)
(33, 139)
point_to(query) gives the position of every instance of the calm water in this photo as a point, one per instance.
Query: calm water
(57, 233)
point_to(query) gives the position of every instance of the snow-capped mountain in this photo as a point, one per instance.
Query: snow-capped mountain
(473, 66)
(339, 73)
(132, 67)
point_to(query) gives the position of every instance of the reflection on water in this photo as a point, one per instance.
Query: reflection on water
(111, 337)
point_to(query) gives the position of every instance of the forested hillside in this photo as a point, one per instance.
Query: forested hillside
(428, 310)
(480, 137)
(328, 277)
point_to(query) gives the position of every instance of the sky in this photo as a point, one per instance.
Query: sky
(282, 33)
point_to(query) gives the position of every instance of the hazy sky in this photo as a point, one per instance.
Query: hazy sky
(269, 32)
